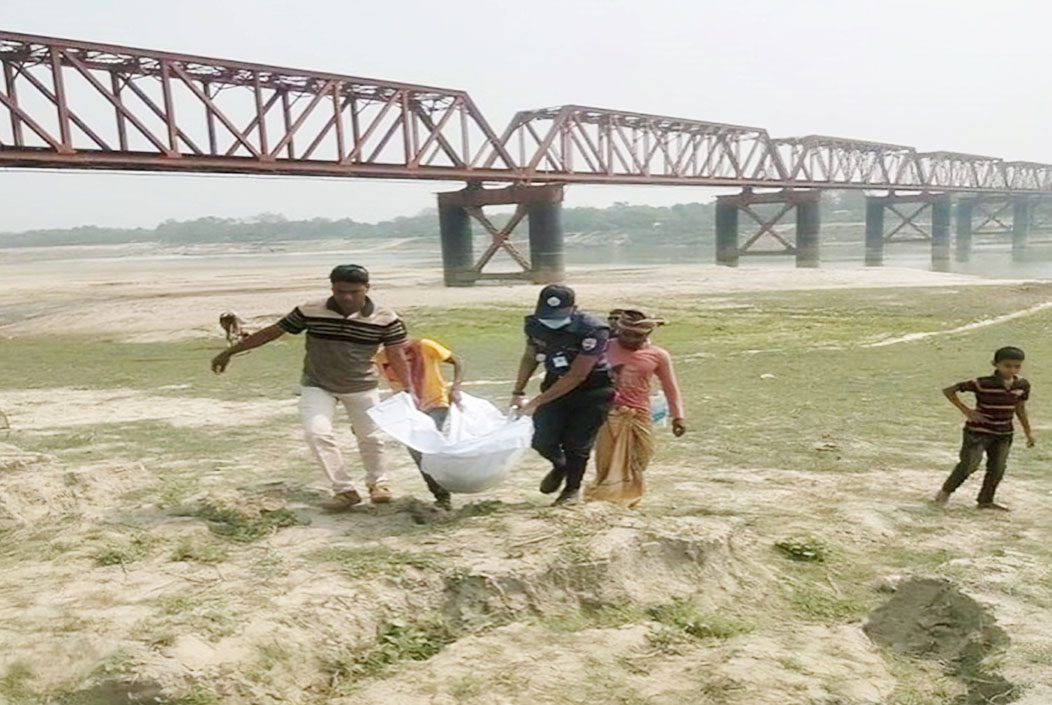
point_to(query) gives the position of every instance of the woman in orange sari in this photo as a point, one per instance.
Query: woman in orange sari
(626, 442)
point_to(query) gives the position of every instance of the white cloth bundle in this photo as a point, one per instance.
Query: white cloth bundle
(478, 450)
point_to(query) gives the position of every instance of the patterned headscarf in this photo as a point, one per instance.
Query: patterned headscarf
(638, 322)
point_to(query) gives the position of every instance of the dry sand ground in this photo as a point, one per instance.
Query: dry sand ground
(505, 601)
(156, 303)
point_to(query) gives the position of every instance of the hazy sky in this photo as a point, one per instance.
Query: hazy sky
(963, 76)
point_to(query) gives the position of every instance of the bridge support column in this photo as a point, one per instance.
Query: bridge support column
(963, 248)
(874, 232)
(1020, 227)
(940, 234)
(546, 242)
(541, 206)
(808, 224)
(458, 256)
(773, 207)
(726, 233)
(908, 208)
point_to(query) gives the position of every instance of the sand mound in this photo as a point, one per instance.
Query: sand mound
(13, 458)
(619, 566)
(522, 663)
(33, 487)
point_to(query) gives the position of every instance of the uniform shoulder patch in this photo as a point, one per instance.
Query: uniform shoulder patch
(589, 344)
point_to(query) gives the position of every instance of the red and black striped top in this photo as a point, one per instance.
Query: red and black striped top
(996, 401)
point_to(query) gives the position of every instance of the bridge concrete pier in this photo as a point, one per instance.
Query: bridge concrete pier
(726, 233)
(540, 206)
(874, 232)
(941, 210)
(458, 246)
(963, 244)
(1021, 212)
(808, 226)
(806, 248)
(938, 234)
(993, 212)
(547, 245)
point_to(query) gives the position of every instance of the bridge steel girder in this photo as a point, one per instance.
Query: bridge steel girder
(805, 205)
(67, 104)
(597, 145)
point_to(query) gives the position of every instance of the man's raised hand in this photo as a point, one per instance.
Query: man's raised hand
(220, 361)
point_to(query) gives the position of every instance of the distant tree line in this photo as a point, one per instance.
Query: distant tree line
(685, 219)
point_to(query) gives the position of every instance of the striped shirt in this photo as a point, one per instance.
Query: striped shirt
(995, 401)
(340, 349)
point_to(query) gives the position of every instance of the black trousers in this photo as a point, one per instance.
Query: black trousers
(439, 416)
(973, 446)
(564, 431)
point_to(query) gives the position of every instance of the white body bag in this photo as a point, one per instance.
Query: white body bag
(478, 450)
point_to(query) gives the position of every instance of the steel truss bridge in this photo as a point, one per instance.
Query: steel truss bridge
(68, 104)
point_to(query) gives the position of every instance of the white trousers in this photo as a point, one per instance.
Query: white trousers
(317, 410)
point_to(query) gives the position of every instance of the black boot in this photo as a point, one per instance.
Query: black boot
(553, 480)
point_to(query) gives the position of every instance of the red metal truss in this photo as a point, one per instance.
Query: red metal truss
(962, 172)
(73, 104)
(593, 145)
(69, 104)
(819, 160)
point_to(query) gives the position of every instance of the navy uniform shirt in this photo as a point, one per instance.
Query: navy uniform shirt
(556, 349)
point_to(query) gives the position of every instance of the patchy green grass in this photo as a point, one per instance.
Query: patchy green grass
(122, 550)
(831, 407)
(806, 548)
(682, 618)
(199, 550)
(919, 683)
(197, 695)
(467, 687)
(154, 443)
(716, 688)
(601, 617)
(204, 614)
(14, 684)
(243, 524)
(368, 561)
(396, 642)
(815, 602)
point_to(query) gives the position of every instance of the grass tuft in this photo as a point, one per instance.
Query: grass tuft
(191, 550)
(601, 617)
(807, 548)
(123, 551)
(244, 524)
(14, 685)
(358, 562)
(197, 613)
(816, 603)
(680, 621)
(396, 642)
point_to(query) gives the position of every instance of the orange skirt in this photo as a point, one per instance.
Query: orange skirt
(622, 453)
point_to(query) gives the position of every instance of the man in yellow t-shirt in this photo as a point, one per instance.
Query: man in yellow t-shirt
(425, 358)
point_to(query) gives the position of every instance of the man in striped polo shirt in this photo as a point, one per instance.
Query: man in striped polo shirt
(344, 333)
(988, 428)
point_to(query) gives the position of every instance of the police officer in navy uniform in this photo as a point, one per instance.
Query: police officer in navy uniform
(577, 391)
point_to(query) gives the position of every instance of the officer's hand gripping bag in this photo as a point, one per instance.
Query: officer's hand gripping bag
(478, 451)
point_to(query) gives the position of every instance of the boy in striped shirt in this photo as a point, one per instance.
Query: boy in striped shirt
(988, 428)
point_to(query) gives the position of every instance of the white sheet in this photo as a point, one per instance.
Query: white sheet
(478, 451)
